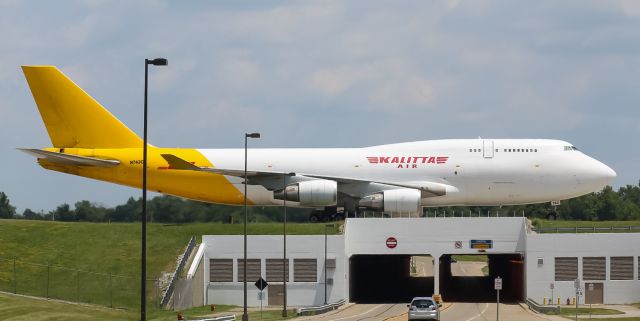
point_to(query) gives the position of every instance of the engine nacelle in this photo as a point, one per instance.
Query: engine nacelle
(318, 192)
(401, 200)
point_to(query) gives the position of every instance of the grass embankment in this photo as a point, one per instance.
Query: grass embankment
(471, 258)
(25, 308)
(99, 262)
(570, 313)
(540, 223)
(585, 311)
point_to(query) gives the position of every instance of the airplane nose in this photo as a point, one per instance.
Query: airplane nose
(599, 174)
(607, 173)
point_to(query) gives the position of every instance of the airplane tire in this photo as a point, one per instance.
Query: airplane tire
(313, 218)
(552, 216)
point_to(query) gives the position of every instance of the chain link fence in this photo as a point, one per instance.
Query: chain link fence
(64, 283)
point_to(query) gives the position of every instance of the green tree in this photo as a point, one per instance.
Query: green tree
(62, 213)
(90, 212)
(6, 209)
(28, 214)
(128, 212)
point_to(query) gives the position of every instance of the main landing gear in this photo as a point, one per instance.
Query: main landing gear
(326, 215)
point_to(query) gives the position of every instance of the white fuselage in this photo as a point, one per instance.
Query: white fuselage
(475, 171)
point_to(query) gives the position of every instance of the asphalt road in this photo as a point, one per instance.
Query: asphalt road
(358, 312)
(456, 312)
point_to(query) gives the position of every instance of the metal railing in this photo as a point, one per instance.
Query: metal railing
(320, 309)
(166, 295)
(593, 229)
(545, 309)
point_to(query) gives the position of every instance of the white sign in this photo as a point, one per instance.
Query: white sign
(576, 284)
(551, 286)
(497, 283)
(580, 292)
(590, 286)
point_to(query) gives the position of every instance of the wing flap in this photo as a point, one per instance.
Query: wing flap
(67, 159)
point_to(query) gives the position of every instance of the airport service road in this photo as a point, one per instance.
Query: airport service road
(487, 311)
(364, 312)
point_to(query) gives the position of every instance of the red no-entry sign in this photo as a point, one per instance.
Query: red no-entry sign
(392, 242)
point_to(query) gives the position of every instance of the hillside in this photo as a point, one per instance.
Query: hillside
(99, 262)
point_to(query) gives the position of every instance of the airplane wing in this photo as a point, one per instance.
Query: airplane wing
(176, 162)
(426, 187)
(67, 159)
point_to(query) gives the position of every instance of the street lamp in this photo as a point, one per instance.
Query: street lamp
(245, 316)
(143, 261)
(326, 227)
(285, 271)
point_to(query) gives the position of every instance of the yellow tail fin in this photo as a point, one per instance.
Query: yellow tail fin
(72, 117)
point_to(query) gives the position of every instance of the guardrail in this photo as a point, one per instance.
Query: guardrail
(592, 229)
(320, 309)
(231, 317)
(166, 295)
(533, 305)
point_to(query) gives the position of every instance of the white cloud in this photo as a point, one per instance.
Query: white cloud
(390, 85)
(629, 7)
(404, 93)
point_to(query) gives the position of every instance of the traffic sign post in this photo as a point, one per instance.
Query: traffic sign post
(497, 285)
(551, 286)
(576, 284)
(261, 284)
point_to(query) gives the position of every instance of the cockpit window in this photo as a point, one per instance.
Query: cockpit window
(570, 148)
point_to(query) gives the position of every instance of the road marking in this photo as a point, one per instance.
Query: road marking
(355, 316)
(486, 306)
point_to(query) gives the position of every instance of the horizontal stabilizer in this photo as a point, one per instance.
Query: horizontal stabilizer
(67, 159)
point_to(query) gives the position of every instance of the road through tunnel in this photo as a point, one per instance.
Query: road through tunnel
(388, 278)
(470, 278)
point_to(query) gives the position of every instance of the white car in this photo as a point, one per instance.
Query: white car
(424, 308)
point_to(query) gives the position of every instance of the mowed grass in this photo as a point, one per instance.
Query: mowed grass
(585, 311)
(471, 258)
(19, 308)
(561, 223)
(99, 262)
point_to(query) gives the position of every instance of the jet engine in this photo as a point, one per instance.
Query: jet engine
(402, 200)
(318, 192)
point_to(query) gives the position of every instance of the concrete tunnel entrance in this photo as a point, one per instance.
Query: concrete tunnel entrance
(387, 279)
(461, 281)
(399, 278)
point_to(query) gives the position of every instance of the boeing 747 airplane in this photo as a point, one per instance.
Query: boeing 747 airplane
(89, 141)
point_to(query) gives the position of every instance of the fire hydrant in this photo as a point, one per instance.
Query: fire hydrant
(180, 317)
(213, 307)
(568, 301)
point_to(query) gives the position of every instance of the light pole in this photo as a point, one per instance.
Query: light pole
(284, 250)
(143, 261)
(245, 316)
(326, 227)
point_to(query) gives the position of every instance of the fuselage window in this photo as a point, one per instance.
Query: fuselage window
(527, 150)
(470, 150)
(535, 150)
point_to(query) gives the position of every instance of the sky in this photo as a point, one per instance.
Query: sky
(325, 74)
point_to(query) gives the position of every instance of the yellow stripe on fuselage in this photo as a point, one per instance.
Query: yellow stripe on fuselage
(202, 186)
